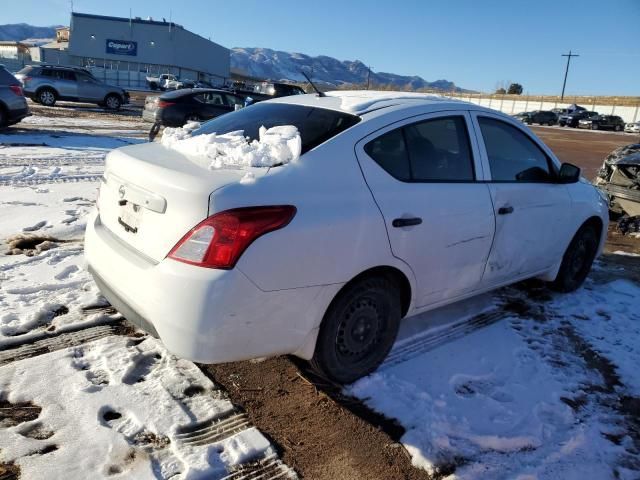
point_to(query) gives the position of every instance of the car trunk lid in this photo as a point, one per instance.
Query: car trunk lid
(151, 196)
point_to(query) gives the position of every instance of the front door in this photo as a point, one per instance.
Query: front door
(89, 89)
(531, 209)
(439, 220)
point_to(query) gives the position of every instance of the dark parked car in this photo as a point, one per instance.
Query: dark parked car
(175, 108)
(603, 122)
(543, 117)
(13, 106)
(572, 119)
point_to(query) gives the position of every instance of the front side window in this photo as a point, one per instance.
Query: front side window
(435, 150)
(513, 156)
(232, 100)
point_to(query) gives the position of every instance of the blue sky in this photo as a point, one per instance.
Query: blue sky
(475, 44)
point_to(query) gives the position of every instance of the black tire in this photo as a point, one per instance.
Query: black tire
(594, 126)
(47, 97)
(4, 121)
(358, 330)
(112, 102)
(577, 260)
(617, 128)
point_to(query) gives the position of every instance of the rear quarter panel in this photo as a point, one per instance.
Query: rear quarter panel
(337, 233)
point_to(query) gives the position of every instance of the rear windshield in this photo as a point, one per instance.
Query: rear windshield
(316, 125)
(6, 78)
(26, 69)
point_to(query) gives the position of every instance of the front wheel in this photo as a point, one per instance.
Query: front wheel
(577, 260)
(594, 126)
(358, 330)
(617, 128)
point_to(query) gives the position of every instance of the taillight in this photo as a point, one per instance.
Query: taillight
(163, 104)
(220, 240)
(17, 89)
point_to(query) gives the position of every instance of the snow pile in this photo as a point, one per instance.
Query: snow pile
(276, 146)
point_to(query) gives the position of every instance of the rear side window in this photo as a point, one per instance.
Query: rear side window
(316, 125)
(439, 150)
(435, 150)
(513, 156)
(390, 152)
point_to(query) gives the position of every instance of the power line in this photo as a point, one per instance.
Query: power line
(564, 84)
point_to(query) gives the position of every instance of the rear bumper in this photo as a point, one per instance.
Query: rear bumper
(201, 314)
(15, 115)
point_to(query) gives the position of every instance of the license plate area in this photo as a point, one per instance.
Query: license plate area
(130, 216)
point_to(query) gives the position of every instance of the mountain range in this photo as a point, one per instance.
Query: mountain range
(277, 65)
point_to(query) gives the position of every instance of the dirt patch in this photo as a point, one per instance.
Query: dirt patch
(321, 433)
(12, 414)
(31, 244)
(9, 471)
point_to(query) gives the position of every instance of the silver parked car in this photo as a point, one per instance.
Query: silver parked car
(13, 106)
(46, 84)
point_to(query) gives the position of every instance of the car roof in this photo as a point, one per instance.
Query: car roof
(183, 92)
(368, 104)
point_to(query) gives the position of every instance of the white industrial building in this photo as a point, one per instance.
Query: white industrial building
(126, 50)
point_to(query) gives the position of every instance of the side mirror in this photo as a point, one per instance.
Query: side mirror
(568, 173)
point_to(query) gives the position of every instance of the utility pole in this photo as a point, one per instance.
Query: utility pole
(564, 84)
(368, 76)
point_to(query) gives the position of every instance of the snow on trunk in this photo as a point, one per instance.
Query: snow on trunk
(276, 146)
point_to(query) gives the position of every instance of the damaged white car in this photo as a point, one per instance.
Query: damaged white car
(237, 240)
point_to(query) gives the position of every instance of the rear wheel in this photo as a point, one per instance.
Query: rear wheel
(358, 329)
(618, 128)
(577, 260)
(47, 97)
(3, 117)
(112, 102)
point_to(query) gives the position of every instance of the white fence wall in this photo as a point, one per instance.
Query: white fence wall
(511, 106)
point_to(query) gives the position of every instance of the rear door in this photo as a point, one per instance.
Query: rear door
(422, 173)
(531, 210)
(66, 84)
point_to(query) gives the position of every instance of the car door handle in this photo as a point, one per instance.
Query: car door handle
(406, 222)
(505, 210)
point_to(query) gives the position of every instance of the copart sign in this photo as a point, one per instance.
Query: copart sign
(122, 47)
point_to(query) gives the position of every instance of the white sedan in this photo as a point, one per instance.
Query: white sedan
(396, 204)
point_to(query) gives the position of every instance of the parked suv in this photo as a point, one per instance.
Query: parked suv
(603, 122)
(47, 84)
(542, 117)
(13, 106)
(571, 119)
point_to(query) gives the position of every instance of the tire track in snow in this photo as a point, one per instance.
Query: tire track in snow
(425, 342)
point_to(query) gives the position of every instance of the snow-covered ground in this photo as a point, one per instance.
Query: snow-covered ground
(538, 386)
(120, 405)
